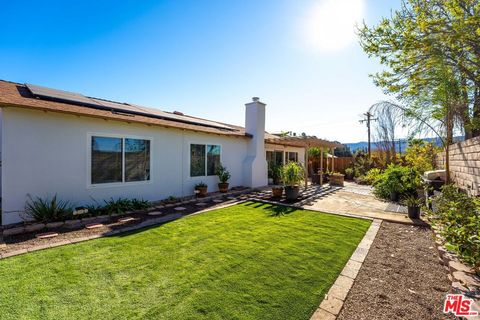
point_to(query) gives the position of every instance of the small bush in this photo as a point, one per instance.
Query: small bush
(140, 204)
(372, 175)
(349, 173)
(121, 205)
(48, 210)
(396, 180)
(458, 221)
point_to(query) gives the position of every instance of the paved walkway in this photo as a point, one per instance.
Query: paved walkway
(357, 200)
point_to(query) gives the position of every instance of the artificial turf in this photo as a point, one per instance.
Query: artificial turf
(248, 261)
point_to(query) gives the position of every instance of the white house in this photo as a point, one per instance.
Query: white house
(85, 149)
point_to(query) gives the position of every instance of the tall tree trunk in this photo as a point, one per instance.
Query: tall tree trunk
(464, 109)
(476, 111)
(449, 140)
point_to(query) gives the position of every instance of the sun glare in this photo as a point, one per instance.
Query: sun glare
(330, 24)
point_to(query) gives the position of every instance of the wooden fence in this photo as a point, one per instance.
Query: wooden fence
(340, 164)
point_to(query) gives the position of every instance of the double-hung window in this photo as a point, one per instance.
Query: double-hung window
(119, 160)
(204, 159)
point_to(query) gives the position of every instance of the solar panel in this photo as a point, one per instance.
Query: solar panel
(79, 99)
(60, 95)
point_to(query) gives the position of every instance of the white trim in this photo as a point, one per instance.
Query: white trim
(124, 183)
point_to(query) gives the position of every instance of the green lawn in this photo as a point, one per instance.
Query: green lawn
(249, 261)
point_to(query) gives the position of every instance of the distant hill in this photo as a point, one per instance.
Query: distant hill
(400, 147)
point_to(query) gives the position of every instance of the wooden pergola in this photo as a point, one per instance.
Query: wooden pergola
(306, 142)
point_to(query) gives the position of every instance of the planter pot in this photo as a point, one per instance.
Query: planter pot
(414, 212)
(223, 187)
(277, 192)
(201, 191)
(394, 196)
(337, 180)
(291, 192)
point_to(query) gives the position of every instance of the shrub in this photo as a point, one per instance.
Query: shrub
(394, 180)
(458, 221)
(96, 210)
(292, 174)
(275, 172)
(48, 210)
(372, 176)
(421, 155)
(120, 205)
(362, 163)
(349, 173)
(140, 204)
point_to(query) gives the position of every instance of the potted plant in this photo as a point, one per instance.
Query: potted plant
(223, 175)
(276, 173)
(349, 173)
(201, 189)
(292, 174)
(337, 179)
(413, 204)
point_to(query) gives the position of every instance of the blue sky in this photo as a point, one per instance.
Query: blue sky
(204, 58)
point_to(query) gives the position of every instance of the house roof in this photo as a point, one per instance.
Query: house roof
(19, 95)
(45, 99)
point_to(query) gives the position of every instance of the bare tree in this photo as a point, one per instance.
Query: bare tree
(389, 119)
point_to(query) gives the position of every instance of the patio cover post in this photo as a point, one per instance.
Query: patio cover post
(321, 166)
(333, 159)
(306, 165)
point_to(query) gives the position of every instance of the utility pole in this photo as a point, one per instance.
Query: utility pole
(368, 119)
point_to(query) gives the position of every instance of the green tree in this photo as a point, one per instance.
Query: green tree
(431, 51)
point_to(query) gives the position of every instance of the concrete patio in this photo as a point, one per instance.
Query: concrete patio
(352, 199)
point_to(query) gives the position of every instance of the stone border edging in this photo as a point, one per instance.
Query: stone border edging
(333, 302)
(462, 277)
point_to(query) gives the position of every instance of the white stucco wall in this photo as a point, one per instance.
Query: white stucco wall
(47, 153)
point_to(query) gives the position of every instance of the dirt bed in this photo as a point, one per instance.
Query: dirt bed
(400, 279)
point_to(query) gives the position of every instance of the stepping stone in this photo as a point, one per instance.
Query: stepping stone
(217, 200)
(94, 225)
(159, 207)
(231, 198)
(201, 204)
(46, 235)
(155, 213)
(180, 208)
(126, 219)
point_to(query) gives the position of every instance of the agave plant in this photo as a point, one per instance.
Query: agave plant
(48, 210)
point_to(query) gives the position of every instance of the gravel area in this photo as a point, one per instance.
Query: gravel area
(401, 278)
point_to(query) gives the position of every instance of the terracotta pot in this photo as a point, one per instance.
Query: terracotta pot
(201, 191)
(223, 187)
(277, 192)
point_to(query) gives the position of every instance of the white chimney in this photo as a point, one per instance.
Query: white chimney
(255, 164)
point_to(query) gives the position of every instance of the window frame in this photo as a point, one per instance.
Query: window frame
(124, 183)
(206, 144)
(287, 156)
